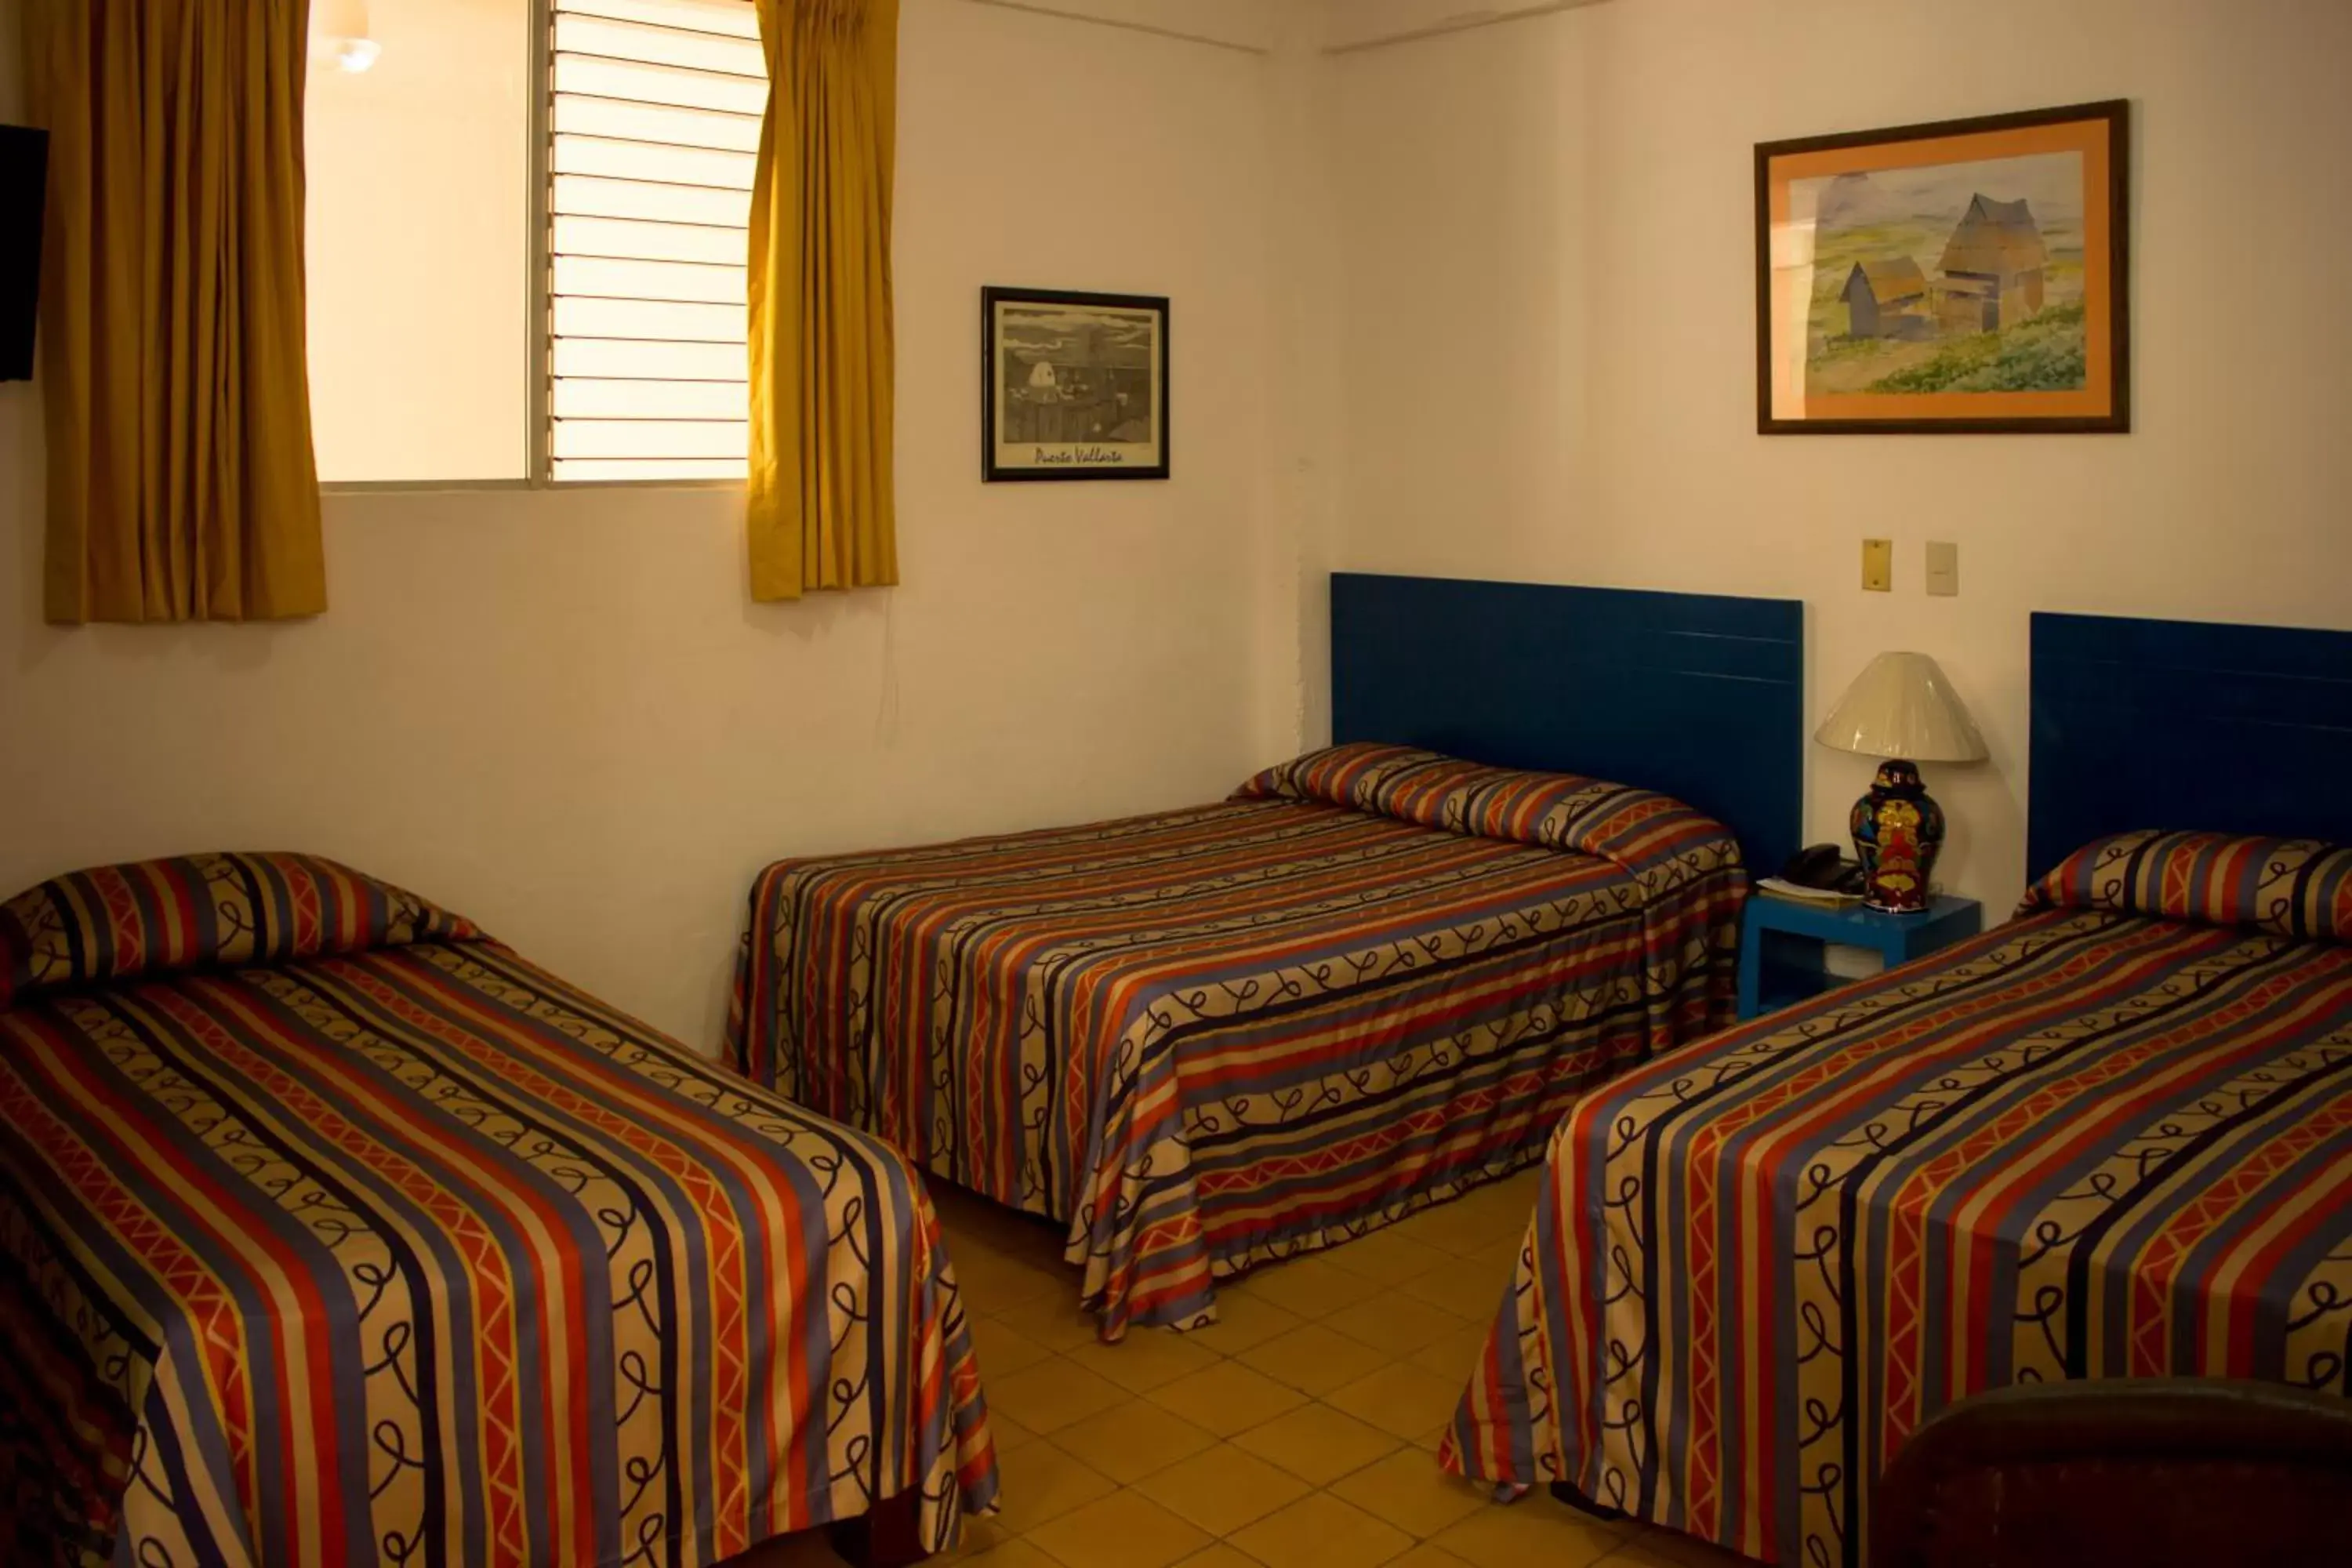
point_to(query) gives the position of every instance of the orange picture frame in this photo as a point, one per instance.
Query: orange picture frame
(1960, 276)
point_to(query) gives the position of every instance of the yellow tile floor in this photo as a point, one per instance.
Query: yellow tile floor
(1299, 1431)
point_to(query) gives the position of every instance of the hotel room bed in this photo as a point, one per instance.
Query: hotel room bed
(2112, 1138)
(1208, 1039)
(332, 1231)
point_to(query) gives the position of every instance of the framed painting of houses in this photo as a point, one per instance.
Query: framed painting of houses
(1073, 387)
(1966, 276)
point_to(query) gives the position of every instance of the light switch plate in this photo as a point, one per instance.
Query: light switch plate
(1879, 565)
(1943, 568)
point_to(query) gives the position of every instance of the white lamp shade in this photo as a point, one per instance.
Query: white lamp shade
(1901, 706)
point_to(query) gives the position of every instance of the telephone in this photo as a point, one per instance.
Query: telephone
(1823, 867)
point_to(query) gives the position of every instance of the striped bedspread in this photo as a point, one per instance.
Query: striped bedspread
(385, 1246)
(1211, 1037)
(2113, 1138)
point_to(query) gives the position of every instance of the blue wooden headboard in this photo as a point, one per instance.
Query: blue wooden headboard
(2188, 724)
(1698, 695)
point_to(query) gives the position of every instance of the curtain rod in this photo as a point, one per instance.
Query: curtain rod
(1057, 12)
(1462, 22)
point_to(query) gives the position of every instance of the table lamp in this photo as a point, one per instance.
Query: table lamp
(1900, 708)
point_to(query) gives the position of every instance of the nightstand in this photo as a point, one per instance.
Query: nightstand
(1781, 940)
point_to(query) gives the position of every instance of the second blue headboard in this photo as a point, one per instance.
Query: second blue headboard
(1699, 695)
(2187, 724)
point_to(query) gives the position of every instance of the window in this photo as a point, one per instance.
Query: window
(418, 243)
(653, 124)
(484, 312)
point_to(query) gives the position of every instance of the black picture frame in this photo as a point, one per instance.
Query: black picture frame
(2114, 116)
(1108, 386)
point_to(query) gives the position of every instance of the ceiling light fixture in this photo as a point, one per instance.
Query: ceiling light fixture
(338, 35)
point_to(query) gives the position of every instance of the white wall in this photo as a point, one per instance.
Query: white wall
(561, 715)
(1546, 234)
(1299, 528)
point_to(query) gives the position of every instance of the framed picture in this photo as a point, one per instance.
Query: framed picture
(1967, 276)
(1073, 387)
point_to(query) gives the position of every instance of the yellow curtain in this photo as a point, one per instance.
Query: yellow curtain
(821, 512)
(182, 486)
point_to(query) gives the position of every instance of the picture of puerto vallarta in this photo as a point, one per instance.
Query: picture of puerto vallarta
(1076, 385)
(1077, 374)
(1947, 277)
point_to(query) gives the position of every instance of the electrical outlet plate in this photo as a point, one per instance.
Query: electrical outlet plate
(1879, 565)
(1943, 568)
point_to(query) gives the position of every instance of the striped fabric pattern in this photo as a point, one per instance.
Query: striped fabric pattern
(1336, 775)
(1207, 1038)
(2290, 887)
(2089, 1143)
(154, 917)
(1650, 837)
(414, 1253)
(1558, 811)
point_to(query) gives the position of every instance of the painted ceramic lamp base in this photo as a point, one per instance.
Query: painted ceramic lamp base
(1898, 829)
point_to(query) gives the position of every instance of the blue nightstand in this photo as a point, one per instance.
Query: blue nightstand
(1781, 942)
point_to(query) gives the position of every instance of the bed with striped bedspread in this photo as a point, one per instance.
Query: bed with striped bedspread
(2110, 1139)
(332, 1232)
(1208, 1039)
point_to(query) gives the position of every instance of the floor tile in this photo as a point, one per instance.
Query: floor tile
(1523, 1181)
(1410, 1491)
(1311, 1286)
(1387, 1256)
(1428, 1554)
(1041, 1482)
(1005, 1432)
(1223, 1489)
(1143, 1359)
(1016, 1552)
(1422, 1225)
(1484, 1228)
(1502, 1257)
(1509, 1202)
(1482, 1219)
(978, 1538)
(1393, 1324)
(1003, 1349)
(1317, 1443)
(1051, 1394)
(1473, 1288)
(1243, 1319)
(1641, 1554)
(1319, 1530)
(991, 1282)
(1654, 1546)
(1227, 1397)
(1058, 1323)
(1400, 1398)
(1313, 1359)
(1442, 1230)
(1454, 1356)
(1131, 1440)
(1534, 1530)
(1219, 1555)
(1125, 1530)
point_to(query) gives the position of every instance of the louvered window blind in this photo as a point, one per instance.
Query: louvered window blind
(653, 123)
